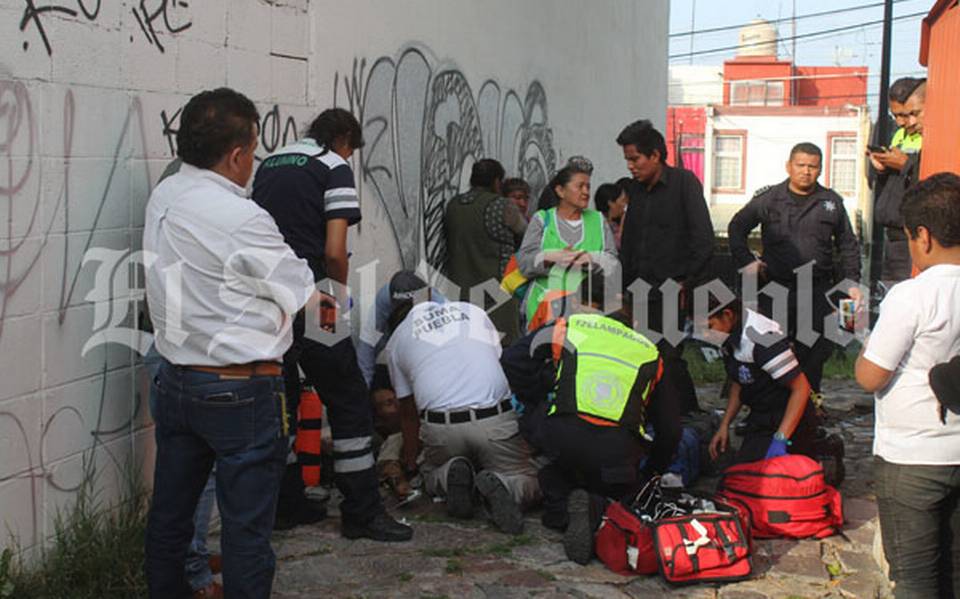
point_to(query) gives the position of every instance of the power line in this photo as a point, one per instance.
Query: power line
(799, 98)
(785, 19)
(720, 81)
(800, 36)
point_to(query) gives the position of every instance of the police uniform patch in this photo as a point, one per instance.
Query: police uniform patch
(829, 206)
(743, 375)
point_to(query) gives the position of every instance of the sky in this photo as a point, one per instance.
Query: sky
(860, 45)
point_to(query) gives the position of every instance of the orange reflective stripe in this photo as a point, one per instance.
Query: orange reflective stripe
(656, 379)
(597, 421)
(559, 336)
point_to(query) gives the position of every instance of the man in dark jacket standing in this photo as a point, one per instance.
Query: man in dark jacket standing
(483, 230)
(667, 235)
(802, 225)
(896, 170)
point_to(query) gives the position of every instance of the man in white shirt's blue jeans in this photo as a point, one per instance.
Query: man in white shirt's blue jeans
(917, 455)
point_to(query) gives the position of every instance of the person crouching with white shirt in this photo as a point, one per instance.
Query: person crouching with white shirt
(444, 362)
(917, 455)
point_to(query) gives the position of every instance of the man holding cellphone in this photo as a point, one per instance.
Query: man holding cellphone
(897, 168)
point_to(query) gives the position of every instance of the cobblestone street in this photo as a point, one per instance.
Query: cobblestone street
(472, 560)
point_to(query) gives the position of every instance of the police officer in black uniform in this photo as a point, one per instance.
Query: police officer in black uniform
(801, 222)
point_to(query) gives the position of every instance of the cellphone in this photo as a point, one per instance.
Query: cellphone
(846, 314)
(878, 149)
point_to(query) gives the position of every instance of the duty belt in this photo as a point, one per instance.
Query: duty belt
(243, 371)
(466, 415)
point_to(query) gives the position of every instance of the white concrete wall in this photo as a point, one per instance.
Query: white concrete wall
(769, 139)
(695, 85)
(89, 97)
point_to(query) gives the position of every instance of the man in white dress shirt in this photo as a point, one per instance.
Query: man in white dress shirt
(223, 287)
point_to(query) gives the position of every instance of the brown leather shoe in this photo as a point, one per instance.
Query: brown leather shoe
(392, 473)
(214, 591)
(216, 563)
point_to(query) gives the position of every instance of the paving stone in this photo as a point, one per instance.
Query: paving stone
(526, 578)
(807, 566)
(741, 594)
(866, 585)
(857, 510)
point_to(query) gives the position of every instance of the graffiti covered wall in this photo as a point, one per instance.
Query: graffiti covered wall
(90, 94)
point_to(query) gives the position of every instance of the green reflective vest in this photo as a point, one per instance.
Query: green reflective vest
(603, 361)
(560, 278)
(908, 144)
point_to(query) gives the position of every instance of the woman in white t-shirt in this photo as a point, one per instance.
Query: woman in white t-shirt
(917, 455)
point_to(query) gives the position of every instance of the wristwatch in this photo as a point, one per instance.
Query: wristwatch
(778, 436)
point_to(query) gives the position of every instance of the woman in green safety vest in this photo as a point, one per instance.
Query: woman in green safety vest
(563, 242)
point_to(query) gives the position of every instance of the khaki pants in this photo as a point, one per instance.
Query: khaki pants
(492, 444)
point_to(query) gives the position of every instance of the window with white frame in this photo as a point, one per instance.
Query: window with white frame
(728, 161)
(756, 92)
(843, 165)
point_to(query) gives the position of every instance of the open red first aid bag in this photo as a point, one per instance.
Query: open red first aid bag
(786, 497)
(686, 538)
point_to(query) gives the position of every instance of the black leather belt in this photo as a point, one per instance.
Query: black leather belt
(466, 415)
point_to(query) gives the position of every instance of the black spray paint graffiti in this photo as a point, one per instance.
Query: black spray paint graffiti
(424, 127)
(150, 16)
(159, 12)
(276, 130)
(19, 137)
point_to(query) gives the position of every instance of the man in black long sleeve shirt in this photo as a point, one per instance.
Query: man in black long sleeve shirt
(667, 235)
(801, 223)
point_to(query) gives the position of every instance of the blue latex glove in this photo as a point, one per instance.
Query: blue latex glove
(777, 449)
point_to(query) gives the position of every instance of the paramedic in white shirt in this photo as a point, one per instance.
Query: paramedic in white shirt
(444, 362)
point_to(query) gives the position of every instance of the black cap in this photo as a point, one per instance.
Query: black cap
(945, 382)
(404, 286)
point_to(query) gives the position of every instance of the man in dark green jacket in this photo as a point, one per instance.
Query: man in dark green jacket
(483, 230)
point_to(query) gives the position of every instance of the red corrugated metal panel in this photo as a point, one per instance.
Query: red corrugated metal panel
(941, 127)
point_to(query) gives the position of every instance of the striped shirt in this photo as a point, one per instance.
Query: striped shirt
(759, 357)
(303, 185)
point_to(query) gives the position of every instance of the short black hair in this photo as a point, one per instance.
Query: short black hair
(593, 289)
(806, 147)
(715, 306)
(213, 123)
(934, 203)
(645, 138)
(335, 124)
(514, 184)
(486, 172)
(548, 197)
(903, 88)
(605, 194)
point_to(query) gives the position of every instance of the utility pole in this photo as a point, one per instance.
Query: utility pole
(881, 136)
(793, 56)
(693, 25)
